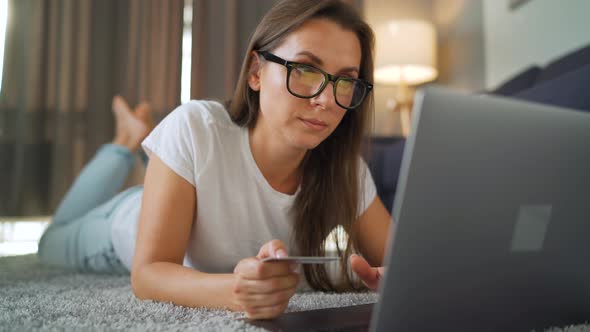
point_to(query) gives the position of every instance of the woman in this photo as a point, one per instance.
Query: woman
(272, 175)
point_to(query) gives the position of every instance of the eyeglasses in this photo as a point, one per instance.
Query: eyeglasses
(305, 81)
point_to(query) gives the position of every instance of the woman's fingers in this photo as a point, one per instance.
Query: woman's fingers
(266, 300)
(370, 276)
(266, 312)
(361, 267)
(269, 286)
(274, 248)
(266, 286)
(262, 289)
(254, 269)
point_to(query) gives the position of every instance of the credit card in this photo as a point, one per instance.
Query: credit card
(303, 259)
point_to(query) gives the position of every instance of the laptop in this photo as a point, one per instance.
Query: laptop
(493, 223)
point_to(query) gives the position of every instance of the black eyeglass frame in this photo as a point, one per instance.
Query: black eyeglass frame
(327, 78)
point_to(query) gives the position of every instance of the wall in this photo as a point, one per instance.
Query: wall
(535, 33)
(461, 56)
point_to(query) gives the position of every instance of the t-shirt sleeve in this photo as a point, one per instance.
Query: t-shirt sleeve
(173, 141)
(368, 191)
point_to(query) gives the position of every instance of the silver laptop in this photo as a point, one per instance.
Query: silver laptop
(492, 222)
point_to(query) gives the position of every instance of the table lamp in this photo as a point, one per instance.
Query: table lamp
(405, 56)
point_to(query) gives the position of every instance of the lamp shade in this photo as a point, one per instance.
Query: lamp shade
(405, 52)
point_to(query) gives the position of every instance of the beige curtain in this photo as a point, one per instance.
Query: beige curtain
(152, 53)
(221, 31)
(64, 60)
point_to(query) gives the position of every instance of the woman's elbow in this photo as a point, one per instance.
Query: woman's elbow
(136, 283)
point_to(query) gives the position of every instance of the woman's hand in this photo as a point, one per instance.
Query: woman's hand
(263, 290)
(370, 276)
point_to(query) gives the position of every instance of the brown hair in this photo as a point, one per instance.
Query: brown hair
(330, 185)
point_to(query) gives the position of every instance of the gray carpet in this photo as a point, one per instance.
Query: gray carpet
(35, 297)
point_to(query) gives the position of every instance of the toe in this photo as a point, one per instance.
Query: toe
(143, 109)
(120, 105)
(144, 113)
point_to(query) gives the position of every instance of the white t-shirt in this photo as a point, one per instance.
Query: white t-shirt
(237, 209)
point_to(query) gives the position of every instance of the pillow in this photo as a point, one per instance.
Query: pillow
(384, 157)
(523, 80)
(571, 90)
(566, 64)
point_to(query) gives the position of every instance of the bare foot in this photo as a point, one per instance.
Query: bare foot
(143, 112)
(131, 127)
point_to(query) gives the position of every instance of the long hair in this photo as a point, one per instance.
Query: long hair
(330, 187)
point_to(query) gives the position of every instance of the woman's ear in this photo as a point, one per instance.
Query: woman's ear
(254, 72)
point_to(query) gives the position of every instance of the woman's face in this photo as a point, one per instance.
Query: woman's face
(298, 122)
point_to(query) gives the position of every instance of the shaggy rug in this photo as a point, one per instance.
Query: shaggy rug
(35, 297)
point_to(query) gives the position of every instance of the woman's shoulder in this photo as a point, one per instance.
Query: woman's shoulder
(207, 112)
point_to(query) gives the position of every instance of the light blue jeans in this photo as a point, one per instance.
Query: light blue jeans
(79, 236)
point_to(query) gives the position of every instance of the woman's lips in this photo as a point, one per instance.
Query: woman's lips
(314, 124)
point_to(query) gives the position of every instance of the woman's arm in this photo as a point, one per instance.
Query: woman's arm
(373, 231)
(167, 213)
(169, 206)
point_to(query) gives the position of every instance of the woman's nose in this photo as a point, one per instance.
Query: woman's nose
(326, 97)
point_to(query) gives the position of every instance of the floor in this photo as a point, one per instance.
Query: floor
(19, 236)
